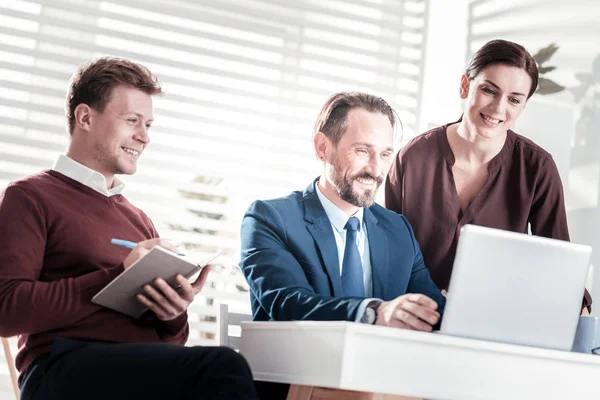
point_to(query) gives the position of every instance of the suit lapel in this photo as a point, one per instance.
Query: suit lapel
(320, 228)
(379, 251)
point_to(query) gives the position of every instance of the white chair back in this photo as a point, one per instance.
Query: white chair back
(230, 337)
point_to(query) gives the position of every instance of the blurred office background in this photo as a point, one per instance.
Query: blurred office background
(244, 80)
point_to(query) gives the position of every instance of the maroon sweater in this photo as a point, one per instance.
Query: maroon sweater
(523, 187)
(55, 255)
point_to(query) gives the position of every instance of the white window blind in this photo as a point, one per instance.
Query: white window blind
(244, 80)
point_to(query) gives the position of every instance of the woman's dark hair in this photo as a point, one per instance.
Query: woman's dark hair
(506, 53)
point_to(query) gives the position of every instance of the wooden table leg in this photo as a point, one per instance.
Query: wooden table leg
(11, 367)
(301, 392)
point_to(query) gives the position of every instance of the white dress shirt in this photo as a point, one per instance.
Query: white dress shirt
(86, 176)
(338, 220)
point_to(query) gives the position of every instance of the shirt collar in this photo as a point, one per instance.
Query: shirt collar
(86, 176)
(337, 217)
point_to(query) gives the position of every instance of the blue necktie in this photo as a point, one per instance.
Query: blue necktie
(352, 273)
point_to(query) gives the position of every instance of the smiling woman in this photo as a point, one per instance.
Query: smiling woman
(477, 170)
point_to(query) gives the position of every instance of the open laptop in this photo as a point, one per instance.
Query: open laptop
(515, 288)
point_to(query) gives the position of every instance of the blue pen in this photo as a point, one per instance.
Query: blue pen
(130, 245)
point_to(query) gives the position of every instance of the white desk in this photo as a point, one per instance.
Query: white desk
(393, 361)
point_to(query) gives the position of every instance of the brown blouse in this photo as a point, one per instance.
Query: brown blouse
(523, 186)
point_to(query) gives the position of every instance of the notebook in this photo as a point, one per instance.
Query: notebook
(120, 293)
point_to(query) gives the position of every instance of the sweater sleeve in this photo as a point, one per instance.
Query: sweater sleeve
(175, 331)
(28, 305)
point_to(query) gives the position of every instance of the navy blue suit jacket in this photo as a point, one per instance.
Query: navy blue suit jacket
(290, 260)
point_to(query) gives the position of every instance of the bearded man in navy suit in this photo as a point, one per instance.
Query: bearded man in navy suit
(330, 252)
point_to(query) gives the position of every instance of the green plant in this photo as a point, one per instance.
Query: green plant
(545, 85)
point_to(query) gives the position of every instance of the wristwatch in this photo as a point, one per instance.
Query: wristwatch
(370, 314)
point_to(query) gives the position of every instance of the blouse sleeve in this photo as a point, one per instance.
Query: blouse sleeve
(548, 216)
(393, 186)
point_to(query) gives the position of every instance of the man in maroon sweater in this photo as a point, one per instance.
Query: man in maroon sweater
(55, 254)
